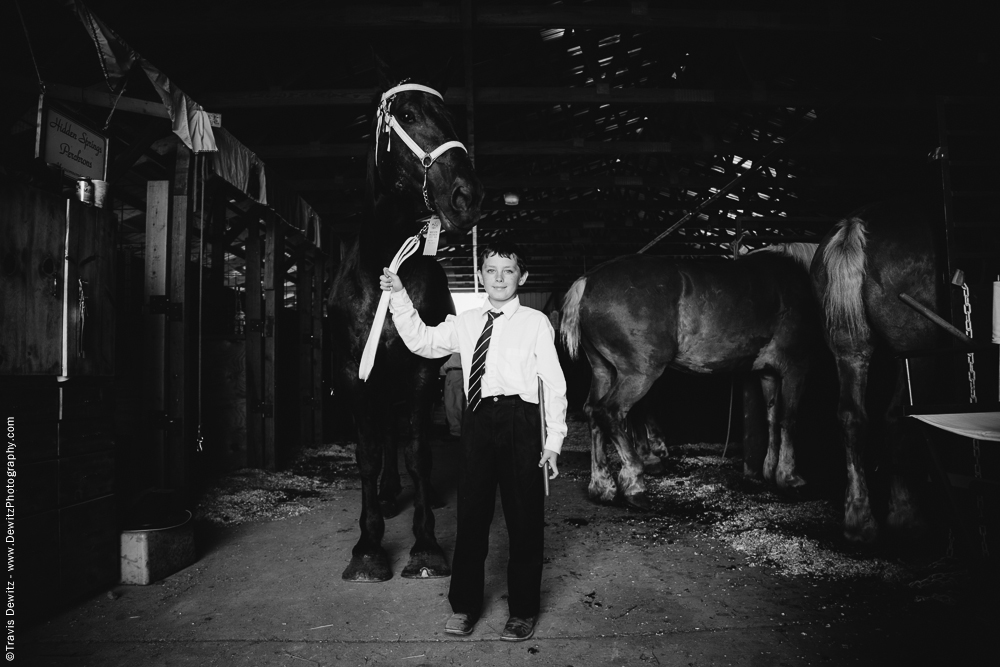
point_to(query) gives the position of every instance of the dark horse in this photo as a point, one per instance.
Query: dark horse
(637, 315)
(401, 187)
(861, 267)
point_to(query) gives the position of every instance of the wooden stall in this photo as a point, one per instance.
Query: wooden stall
(57, 364)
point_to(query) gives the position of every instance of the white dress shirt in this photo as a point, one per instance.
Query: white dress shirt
(522, 348)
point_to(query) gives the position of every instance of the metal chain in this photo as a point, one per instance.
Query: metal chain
(978, 473)
(967, 309)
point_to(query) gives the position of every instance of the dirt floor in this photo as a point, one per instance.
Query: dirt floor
(724, 572)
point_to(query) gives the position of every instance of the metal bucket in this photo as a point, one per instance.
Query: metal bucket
(85, 191)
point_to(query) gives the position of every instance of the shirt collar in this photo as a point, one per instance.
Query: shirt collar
(508, 309)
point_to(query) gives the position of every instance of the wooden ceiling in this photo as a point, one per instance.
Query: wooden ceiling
(611, 121)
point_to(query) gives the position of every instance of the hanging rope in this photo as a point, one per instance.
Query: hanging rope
(31, 50)
(200, 175)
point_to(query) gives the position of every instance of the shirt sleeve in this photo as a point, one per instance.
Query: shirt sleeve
(431, 342)
(553, 386)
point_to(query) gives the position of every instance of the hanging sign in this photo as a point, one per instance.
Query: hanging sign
(79, 150)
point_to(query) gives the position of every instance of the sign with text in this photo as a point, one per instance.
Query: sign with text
(79, 150)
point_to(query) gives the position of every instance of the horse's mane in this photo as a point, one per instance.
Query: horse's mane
(802, 253)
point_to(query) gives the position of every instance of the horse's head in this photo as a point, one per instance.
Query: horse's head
(417, 153)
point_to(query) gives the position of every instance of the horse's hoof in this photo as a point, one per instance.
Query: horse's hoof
(368, 569)
(863, 534)
(389, 508)
(639, 501)
(602, 496)
(654, 467)
(790, 482)
(427, 565)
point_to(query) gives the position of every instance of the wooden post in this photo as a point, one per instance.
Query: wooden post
(274, 296)
(179, 436)
(319, 266)
(254, 333)
(154, 296)
(304, 305)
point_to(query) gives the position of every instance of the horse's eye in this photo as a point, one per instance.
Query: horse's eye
(407, 117)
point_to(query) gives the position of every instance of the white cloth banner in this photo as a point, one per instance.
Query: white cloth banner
(975, 425)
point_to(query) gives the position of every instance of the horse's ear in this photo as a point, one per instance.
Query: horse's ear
(386, 77)
(440, 83)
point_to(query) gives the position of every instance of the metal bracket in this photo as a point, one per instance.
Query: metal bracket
(265, 326)
(160, 420)
(160, 304)
(265, 409)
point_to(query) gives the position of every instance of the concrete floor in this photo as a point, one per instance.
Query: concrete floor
(272, 594)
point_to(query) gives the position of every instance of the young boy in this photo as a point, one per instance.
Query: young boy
(504, 346)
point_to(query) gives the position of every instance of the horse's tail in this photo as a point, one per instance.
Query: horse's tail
(844, 259)
(569, 327)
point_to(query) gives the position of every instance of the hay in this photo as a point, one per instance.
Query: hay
(708, 493)
(250, 495)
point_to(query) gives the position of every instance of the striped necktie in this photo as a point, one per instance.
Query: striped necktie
(479, 362)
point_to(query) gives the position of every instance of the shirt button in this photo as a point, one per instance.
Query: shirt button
(496, 398)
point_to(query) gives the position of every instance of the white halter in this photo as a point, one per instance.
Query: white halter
(387, 122)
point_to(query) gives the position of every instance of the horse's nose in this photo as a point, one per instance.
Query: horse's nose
(461, 197)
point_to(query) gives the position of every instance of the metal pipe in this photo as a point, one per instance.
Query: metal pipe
(935, 318)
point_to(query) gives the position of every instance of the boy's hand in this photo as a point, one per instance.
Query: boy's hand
(390, 280)
(550, 457)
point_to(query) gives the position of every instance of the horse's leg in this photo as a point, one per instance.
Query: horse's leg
(390, 486)
(427, 559)
(769, 383)
(369, 562)
(602, 486)
(639, 428)
(792, 385)
(852, 371)
(657, 447)
(610, 414)
(902, 508)
(753, 430)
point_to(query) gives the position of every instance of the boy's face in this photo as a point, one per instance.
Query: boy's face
(501, 278)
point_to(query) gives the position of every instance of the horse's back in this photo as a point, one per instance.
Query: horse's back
(703, 317)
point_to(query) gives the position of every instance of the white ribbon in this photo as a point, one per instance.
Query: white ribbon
(409, 247)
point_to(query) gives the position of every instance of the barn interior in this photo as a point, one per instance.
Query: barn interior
(185, 340)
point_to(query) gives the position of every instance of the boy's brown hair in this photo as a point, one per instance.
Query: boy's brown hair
(503, 248)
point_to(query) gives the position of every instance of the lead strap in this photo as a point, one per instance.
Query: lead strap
(409, 247)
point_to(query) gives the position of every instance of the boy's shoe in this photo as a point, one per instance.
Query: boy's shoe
(460, 624)
(518, 629)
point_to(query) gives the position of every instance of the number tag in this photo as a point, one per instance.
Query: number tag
(433, 236)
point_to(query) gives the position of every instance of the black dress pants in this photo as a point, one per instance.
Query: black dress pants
(501, 444)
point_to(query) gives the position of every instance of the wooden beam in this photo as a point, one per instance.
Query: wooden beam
(98, 98)
(318, 274)
(304, 306)
(751, 149)
(274, 288)
(553, 181)
(254, 338)
(155, 290)
(505, 96)
(180, 431)
(340, 18)
(153, 130)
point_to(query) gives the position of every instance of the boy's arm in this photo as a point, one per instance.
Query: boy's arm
(554, 386)
(422, 340)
